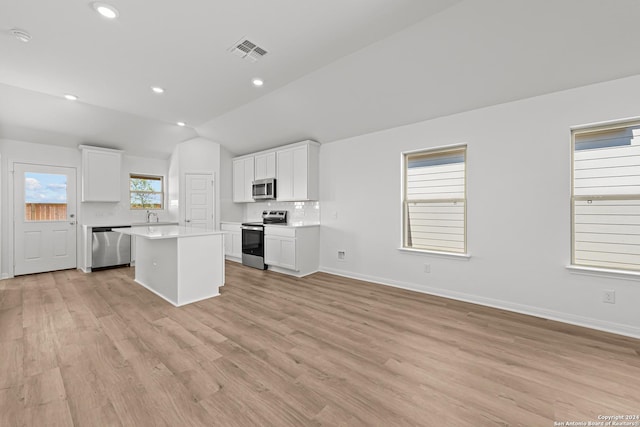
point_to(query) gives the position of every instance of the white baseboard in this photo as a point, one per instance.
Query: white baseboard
(587, 322)
(6, 276)
(149, 288)
(290, 272)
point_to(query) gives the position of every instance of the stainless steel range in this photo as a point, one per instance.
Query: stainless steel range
(253, 238)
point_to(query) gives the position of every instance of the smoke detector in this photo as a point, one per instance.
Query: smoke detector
(248, 50)
(21, 35)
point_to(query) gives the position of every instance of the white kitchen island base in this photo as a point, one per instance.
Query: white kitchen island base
(179, 264)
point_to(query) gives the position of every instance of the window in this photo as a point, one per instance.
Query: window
(45, 197)
(434, 200)
(146, 192)
(605, 196)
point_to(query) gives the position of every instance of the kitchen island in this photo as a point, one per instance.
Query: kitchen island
(180, 264)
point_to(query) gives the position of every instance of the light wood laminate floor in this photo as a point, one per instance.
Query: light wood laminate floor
(272, 350)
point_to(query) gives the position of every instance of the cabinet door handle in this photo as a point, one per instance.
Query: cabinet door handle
(187, 220)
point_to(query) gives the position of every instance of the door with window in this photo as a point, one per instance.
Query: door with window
(44, 218)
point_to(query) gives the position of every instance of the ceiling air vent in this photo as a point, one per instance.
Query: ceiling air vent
(248, 50)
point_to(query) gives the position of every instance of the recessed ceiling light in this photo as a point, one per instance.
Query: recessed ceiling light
(257, 82)
(181, 124)
(71, 97)
(106, 10)
(21, 35)
(157, 89)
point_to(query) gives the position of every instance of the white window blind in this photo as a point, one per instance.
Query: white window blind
(435, 200)
(606, 197)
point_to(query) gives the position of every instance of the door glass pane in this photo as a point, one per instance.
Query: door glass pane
(45, 197)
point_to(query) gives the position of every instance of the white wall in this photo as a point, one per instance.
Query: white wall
(197, 155)
(229, 211)
(518, 185)
(120, 213)
(88, 213)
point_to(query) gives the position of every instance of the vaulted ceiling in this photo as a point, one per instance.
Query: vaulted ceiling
(334, 68)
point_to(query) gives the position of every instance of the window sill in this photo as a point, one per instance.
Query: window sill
(436, 253)
(608, 272)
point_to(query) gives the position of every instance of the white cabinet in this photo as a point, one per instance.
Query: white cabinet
(280, 251)
(232, 240)
(243, 176)
(101, 170)
(265, 165)
(294, 166)
(292, 250)
(297, 173)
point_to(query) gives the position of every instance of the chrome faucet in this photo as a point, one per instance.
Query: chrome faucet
(152, 215)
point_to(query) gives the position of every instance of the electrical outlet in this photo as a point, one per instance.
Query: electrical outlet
(342, 254)
(427, 268)
(609, 296)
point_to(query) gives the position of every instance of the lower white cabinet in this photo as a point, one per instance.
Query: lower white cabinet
(280, 251)
(232, 240)
(292, 250)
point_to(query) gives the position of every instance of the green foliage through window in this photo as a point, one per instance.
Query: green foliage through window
(146, 192)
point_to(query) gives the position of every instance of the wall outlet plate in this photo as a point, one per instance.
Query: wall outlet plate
(342, 255)
(609, 296)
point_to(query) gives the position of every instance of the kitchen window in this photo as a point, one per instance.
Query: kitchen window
(146, 191)
(434, 200)
(605, 196)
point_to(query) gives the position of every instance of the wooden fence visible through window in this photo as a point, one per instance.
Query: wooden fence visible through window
(45, 211)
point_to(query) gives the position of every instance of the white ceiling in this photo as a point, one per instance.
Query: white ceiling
(335, 68)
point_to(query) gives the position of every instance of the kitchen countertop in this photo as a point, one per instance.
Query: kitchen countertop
(297, 224)
(167, 232)
(294, 225)
(133, 224)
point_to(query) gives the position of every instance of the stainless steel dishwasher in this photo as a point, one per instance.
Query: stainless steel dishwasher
(110, 248)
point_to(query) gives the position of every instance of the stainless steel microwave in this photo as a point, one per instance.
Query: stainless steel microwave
(264, 189)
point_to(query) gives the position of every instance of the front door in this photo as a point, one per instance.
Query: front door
(44, 218)
(199, 200)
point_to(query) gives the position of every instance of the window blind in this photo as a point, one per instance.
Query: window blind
(606, 198)
(435, 201)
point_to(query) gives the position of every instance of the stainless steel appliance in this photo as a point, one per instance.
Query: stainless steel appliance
(109, 248)
(253, 238)
(264, 189)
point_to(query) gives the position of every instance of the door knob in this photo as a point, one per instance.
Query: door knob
(72, 223)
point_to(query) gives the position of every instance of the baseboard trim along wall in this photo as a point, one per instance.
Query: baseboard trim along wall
(615, 328)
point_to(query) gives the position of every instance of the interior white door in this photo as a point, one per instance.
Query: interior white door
(199, 200)
(44, 218)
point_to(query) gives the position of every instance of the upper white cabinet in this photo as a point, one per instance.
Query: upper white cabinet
(295, 168)
(243, 176)
(297, 177)
(265, 165)
(101, 170)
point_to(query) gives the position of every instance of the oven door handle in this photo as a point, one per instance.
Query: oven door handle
(246, 227)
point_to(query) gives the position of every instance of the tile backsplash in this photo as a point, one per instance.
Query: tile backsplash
(308, 212)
